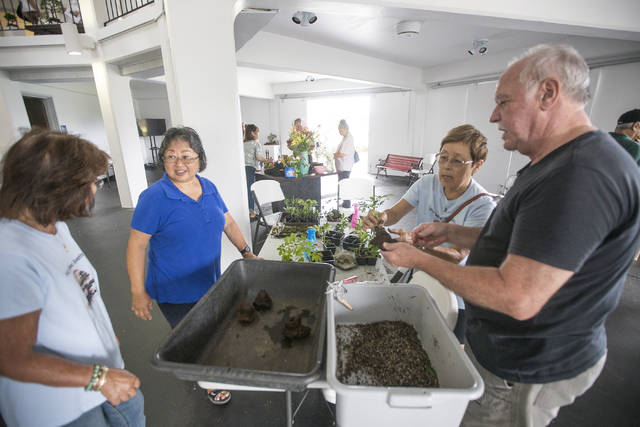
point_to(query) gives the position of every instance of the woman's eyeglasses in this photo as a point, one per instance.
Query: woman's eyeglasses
(455, 163)
(187, 160)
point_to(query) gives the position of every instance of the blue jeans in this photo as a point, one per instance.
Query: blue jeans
(251, 178)
(174, 313)
(126, 414)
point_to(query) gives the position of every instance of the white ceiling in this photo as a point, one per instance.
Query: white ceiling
(444, 38)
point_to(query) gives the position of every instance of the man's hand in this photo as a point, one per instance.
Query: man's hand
(374, 219)
(141, 305)
(401, 254)
(430, 234)
(120, 386)
(403, 235)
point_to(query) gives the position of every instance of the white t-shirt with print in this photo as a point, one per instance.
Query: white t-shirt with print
(40, 271)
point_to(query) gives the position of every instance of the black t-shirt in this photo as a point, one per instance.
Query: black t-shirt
(577, 209)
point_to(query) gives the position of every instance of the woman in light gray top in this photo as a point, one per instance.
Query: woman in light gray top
(253, 155)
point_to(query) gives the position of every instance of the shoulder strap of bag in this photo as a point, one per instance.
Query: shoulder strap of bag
(462, 206)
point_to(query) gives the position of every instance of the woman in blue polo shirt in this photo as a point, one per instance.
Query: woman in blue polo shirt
(181, 219)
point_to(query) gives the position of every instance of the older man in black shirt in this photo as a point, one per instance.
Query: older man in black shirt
(549, 265)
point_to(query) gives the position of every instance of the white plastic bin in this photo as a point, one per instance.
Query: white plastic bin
(402, 406)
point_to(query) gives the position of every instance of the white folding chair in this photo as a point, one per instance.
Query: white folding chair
(266, 191)
(355, 188)
(446, 300)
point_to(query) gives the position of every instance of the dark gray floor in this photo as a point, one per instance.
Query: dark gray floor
(613, 401)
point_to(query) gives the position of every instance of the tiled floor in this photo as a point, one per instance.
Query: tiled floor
(613, 401)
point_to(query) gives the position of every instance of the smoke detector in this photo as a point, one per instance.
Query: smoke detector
(304, 19)
(408, 29)
(479, 47)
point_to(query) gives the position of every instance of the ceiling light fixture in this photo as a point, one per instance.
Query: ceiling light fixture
(479, 47)
(408, 29)
(304, 19)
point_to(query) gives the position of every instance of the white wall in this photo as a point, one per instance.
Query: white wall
(389, 127)
(617, 89)
(76, 106)
(150, 102)
(258, 112)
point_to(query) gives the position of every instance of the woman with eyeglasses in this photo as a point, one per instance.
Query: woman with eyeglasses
(60, 360)
(181, 218)
(462, 152)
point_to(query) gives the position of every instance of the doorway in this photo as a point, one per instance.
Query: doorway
(41, 112)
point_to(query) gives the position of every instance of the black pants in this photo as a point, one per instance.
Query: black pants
(342, 175)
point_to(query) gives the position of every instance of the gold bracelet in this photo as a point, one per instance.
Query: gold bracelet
(103, 378)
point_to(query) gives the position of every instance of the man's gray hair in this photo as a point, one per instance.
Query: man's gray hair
(560, 61)
(343, 124)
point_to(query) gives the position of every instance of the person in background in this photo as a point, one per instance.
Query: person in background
(29, 11)
(550, 263)
(627, 133)
(253, 155)
(60, 361)
(344, 155)
(454, 197)
(181, 218)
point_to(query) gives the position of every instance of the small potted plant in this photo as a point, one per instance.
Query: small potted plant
(300, 212)
(291, 165)
(296, 246)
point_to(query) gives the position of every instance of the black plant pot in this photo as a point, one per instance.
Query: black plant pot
(330, 247)
(327, 257)
(351, 243)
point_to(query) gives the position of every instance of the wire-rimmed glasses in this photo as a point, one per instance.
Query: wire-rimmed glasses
(455, 163)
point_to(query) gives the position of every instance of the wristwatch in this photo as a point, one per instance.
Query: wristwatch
(246, 250)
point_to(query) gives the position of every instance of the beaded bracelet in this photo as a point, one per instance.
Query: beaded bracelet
(102, 379)
(94, 378)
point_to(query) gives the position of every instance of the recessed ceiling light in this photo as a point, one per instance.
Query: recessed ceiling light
(408, 29)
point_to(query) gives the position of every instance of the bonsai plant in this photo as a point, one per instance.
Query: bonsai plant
(294, 248)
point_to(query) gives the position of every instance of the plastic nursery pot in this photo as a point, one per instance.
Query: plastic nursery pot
(334, 234)
(330, 247)
(351, 242)
(366, 260)
(327, 257)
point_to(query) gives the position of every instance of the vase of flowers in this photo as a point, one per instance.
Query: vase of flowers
(301, 142)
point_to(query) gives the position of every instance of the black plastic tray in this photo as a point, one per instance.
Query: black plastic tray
(211, 345)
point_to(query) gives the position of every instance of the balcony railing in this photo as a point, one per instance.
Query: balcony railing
(43, 17)
(118, 8)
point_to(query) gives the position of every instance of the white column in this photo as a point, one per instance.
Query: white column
(13, 114)
(116, 104)
(203, 63)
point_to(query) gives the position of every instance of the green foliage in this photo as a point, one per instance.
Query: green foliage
(294, 247)
(342, 224)
(11, 19)
(373, 203)
(300, 210)
(322, 230)
(366, 249)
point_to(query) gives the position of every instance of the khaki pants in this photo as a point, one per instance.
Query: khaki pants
(524, 405)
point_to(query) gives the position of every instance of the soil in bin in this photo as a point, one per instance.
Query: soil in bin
(382, 354)
(263, 301)
(245, 313)
(262, 345)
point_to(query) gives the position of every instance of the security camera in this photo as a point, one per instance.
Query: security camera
(304, 18)
(479, 47)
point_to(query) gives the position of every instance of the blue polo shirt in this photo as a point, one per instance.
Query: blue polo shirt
(185, 244)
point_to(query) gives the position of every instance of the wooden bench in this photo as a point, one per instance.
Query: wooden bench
(399, 163)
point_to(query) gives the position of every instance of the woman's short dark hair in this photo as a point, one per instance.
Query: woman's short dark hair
(248, 131)
(188, 135)
(48, 175)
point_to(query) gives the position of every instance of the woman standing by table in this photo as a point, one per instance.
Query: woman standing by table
(253, 155)
(344, 155)
(181, 218)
